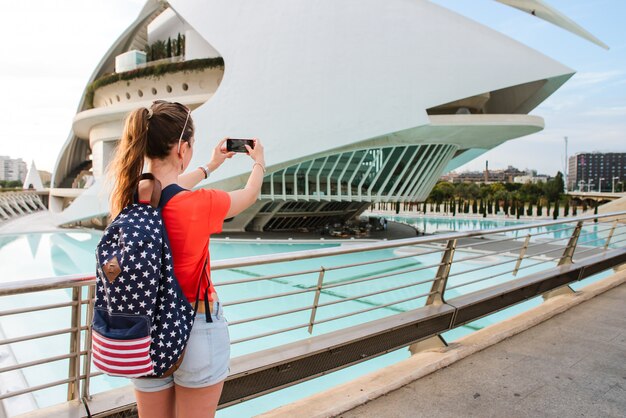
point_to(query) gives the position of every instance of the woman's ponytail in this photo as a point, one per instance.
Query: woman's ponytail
(127, 164)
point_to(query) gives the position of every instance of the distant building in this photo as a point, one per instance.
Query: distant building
(507, 175)
(530, 179)
(595, 171)
(12, 169)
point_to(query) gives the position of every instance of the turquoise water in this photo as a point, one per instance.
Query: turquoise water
(53, 254)
(591, 234)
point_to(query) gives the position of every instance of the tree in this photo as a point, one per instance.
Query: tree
(179, 45)
(169, 47)
(442, 191)
(475, 207)
(554, 188)
(555, 214)
(566, 208)
(148, 50)
(539, 208)
(159, 50)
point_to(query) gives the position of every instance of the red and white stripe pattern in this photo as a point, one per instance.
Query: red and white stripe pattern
(127, 358)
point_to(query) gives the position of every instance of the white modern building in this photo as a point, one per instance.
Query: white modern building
(353, 108)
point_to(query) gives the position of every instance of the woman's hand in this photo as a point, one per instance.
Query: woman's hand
(257, 153)
(219, 155)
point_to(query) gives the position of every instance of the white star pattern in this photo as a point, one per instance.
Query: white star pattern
(146, 285)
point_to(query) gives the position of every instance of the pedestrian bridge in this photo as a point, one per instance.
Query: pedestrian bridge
(532, 260)
(595, 197)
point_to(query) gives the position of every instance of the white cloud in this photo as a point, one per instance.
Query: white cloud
(49, 51)
(592, 78)
(616, 111)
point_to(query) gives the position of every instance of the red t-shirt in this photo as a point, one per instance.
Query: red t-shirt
(190, 217)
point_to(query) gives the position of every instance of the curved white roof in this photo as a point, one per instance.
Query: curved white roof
(309, 77)
(320, 78)
(543, 11)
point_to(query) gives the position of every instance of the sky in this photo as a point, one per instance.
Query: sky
(51, 48)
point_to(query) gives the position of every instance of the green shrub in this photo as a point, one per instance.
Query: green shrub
(156, 71)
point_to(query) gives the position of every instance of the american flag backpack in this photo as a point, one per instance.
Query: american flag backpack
(142, 320)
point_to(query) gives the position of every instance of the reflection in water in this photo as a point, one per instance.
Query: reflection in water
(591, 234)
(72, 255)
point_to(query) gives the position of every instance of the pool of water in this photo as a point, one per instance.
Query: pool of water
(591, 234)
(54, 254)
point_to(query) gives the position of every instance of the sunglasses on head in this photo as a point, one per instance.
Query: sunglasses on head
(183, 131)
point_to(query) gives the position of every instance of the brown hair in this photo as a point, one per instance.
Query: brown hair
(147, 133)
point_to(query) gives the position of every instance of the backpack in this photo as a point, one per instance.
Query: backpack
(142, 320)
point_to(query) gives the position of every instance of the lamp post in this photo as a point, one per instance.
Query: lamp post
(600, 184)
(613, 186)
(589, 183)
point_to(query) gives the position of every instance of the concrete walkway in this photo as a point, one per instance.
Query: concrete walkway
(573, 365)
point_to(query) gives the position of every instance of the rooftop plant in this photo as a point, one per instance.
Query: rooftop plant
(155, 71)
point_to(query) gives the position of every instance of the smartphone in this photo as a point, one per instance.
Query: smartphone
(238, 144)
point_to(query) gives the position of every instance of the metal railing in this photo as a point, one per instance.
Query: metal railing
(388, 278)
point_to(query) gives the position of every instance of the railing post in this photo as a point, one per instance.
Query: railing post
(436, 297)
(74, 363)
(566, 258)
(568, 254)
(320, 284)
(608, 239)
(87, 364)
(522, 253)
(441, 278)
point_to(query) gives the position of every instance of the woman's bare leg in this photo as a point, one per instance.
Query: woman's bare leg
(156, 404)
(197, 403)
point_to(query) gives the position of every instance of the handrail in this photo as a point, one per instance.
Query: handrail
(388, 279)
(60, 282)
(349, 249)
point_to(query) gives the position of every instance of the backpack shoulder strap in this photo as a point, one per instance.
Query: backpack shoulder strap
(168, 193)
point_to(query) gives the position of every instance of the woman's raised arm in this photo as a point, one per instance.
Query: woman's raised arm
(242, 199)
(219, 155)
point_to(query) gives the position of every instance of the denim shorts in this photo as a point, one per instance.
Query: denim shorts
(206, 357)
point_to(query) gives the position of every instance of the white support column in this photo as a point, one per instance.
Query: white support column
(284, 184)
(380, 171)
(401, 177)
(295, 182)
(431, 180)
(345, 168)
(359, 187)
(429, 155)
(356, 170)
(317, 178)
(390, 175)
(306, 180)
(329, 176)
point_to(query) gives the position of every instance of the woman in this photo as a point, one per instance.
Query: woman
(163, 138)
